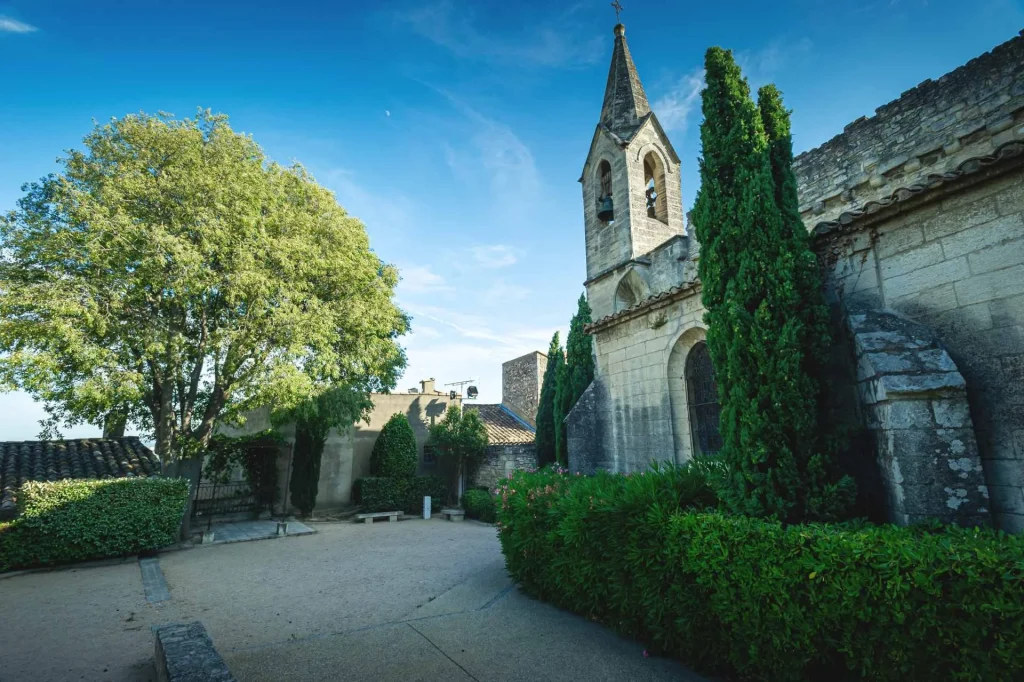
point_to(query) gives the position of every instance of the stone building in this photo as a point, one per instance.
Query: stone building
(346, 456)
(918, 215)
(511, 424)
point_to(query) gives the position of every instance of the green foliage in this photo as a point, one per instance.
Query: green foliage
(579, 349)
(256, 454)
(752, 599)
(335, 408)
(78, 520)
(544, 440)
(378, 493)
(394, 452)
(564, 400)
(433, 487)
(460, 439)
(171, 274)
(480, 504)
(572, 376)
(766, 331)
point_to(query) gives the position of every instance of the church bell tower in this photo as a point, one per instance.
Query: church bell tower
(632, 201)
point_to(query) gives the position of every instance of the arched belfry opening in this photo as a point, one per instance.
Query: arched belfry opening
(605, 205)
(702, 400)
(654, 187)
(631, 290)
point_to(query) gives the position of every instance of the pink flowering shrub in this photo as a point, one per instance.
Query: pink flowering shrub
(749, 599)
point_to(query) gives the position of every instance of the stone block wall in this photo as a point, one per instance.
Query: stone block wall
(917, 411)
(930, 130)
(954, 261)
(521, 381)
(501, 460)
(633, 399)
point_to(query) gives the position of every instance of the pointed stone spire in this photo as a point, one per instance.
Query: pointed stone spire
(625, 102)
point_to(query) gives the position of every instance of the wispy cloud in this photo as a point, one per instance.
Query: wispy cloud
(675, 107)
(419, 279)
(495, 255)
(763, 65)
(555, 42)
(10, 25)
(495, 148)
(390, 213)
(501, 292)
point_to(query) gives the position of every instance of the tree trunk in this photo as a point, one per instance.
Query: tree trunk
(114, 424)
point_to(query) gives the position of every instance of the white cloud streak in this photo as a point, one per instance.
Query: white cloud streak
(675, 107)
(9, 25)
(556, 42)
(493, 256)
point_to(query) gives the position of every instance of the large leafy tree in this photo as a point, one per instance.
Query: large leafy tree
(172, 275)
(544, 439)
(460, 439)
(753, 274)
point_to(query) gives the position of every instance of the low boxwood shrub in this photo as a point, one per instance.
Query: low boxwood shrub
(77, 520)
(751, 599)
(480, 504)
(433, 487)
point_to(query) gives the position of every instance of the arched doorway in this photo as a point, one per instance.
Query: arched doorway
(702, 400)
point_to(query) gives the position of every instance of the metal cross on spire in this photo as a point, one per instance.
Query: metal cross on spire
(618, 8)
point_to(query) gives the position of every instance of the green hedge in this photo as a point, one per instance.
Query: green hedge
(75, 520)
(480, 504)
(378, 493)
(753, 600)
(425, 486)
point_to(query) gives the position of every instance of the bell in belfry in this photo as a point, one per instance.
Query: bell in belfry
(605, 211)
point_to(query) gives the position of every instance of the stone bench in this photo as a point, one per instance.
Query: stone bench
(453, 514)
(368, 518)
(185, 653)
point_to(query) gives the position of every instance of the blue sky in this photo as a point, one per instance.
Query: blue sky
(456, 130)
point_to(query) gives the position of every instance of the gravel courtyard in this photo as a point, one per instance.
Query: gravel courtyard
(417, 600)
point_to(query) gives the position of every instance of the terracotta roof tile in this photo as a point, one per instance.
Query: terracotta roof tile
(503, 427)
(84, 458)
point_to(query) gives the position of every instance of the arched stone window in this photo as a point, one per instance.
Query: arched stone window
(702, 400)
(631, 290)
(654, 187)
(604, 188)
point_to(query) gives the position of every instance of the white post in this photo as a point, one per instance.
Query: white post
(426, 507)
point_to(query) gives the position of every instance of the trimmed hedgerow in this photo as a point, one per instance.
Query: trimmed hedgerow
(379, 493)
(480, 504)
(433, 487)
(753, 599)
(77, 520)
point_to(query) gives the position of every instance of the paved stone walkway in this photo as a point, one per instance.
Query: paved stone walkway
(241, 531)
(153, 583)
(425, 601)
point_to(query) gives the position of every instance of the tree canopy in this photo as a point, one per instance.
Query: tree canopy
(460, 438)
(172, 275)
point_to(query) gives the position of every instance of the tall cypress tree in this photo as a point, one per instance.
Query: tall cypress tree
(545, 438)
(828, 491)
(574, 375)
(579, 352)
(750, 277)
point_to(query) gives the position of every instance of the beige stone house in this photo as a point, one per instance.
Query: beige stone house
(346, 456)
(918, 215)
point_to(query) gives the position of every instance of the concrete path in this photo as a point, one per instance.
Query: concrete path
(417, 600)
(242, 531)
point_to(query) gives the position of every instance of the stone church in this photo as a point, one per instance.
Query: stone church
(917, 215)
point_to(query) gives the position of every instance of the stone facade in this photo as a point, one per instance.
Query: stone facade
(917, 211)
(346, 456)
(501, 460)
(521, 381)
